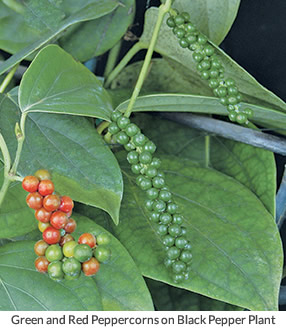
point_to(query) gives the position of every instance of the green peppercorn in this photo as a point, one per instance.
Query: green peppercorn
(145, 157)
(180, 33)
(179, 20)
(133, 157)
(158, 182)
(149, 204)
(145, 184)
(172, 208)
(241, 118)
(154, 216)
(177, 219)
(159, 206)
(132, 129)
(122, 122)
(168, 262)
(209, 50)
(165, 218)
(191, 38)
(165, 195)
(156, 163)
(151, 172)
(232, 116)
(179, 267)
(139, 139)
(162, 230)
(173, 253)
(129, 146)
(115, 115)
(222, 91)
(136, 168)
(189, 27)
(186, 256)
(168, 240)
(248, 112)
(150, 147)
(174, 230)
(177, 278)
(113, 128)
(180, 242)
(198, 57)
(170, 22)
(152, 193)
(184, 43)
(205, 75)
(121, 138)
(202, 40)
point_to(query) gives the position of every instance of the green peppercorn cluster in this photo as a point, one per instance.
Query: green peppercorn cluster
(209, 65)
(163, 210)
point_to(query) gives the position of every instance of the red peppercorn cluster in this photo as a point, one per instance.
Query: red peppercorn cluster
(58, 253)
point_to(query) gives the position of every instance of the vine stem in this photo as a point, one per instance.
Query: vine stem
(122, 64)
(163, 9)
(6, 155)
(20, 134)
(8, 78)
(10, 173)
(112, 58)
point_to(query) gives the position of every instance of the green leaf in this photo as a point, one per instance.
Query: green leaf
(119, 280)
(237, 255)
(89, 11)
(15, 217)
(15, 33)
(117, 286)
(23, 288)
(82, 166)
(167, 45)
(253, 167)
(213, 17)
(202, 104)
(95, 37)
(56, 83)
(169, 298)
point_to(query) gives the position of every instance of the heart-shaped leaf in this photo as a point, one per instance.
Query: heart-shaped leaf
(56, 83)
(95, 37)
(87, 10)
(237, 255)
(117, 286)
(82, 166)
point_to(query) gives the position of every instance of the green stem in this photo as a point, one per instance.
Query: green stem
(8, 78)
(102, 126)
(122, 64)
(112, 58)
(163, 9)
(207, 151)
(21, 139)
(249, 124)
(4, 188)
(6, 155)
(15, 5)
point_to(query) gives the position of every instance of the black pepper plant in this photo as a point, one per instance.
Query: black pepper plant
(161, 209)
